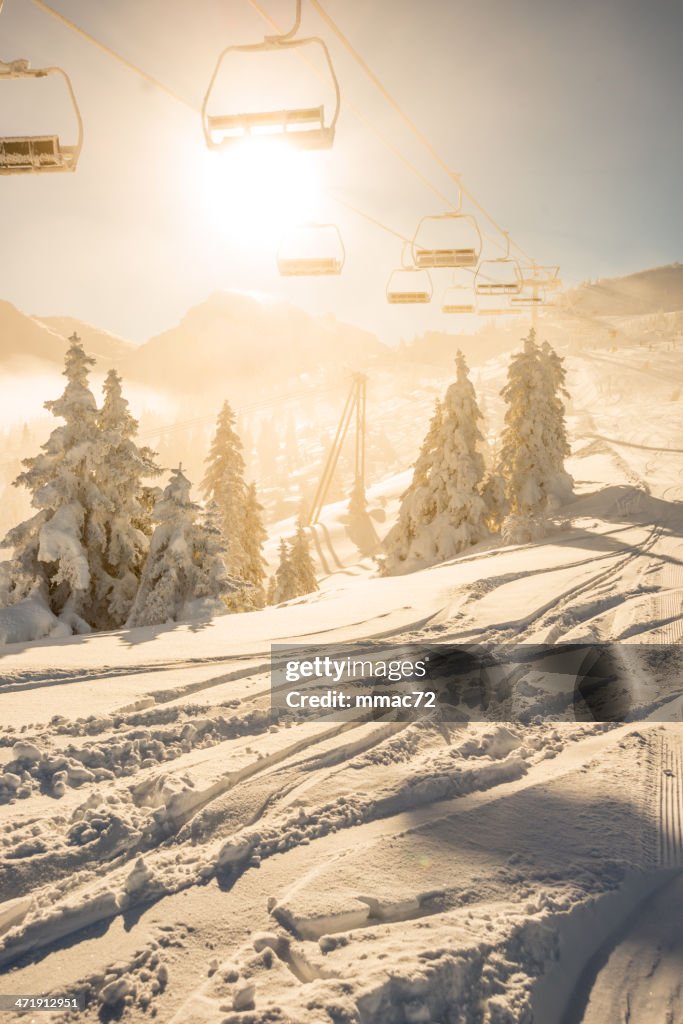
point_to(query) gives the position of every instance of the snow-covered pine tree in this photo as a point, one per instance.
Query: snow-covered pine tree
(412, 511)
(522, 459)
(214, 583)
(302, 563)
(224, 483)
(534, 440)
(447, 511)
(53, 550)
(254, 536)
(184, 564)
(554, 425)
(283, 585)
(495, 500)
(120, 537)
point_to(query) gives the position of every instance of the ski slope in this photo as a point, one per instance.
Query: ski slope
(173, 850)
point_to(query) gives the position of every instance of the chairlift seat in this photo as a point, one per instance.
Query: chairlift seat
(497, 288)
(439, 258)
(304, 127)
(455, 307)
(26, 153)
(309, 267)
(407, 298)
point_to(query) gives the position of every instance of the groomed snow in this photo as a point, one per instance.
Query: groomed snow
(173, 850)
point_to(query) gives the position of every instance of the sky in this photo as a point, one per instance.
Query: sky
(562, 117)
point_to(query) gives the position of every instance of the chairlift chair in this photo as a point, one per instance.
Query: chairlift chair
(26, 154)
(302, 127)
(460, 297)
(311, 250)
(547, 278)
(409, 286)
(498, 277)
(447, 240)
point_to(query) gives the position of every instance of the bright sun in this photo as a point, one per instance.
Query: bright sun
(259, 190)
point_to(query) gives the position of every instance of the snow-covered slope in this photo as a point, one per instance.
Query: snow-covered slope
(174, 847)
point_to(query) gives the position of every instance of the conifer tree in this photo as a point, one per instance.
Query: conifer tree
(413, 510)
(213, 579)
(184, 564)
(554, 425)
(224, 484)
(121, 534)
(254, 536)
(54, 550)
(522, 459)
(444, 512)
(302, 563)
(283, 585)
(534, 441)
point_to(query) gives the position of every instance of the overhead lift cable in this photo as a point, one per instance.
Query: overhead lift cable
(419, 135)
(456, 207)
(116, 56)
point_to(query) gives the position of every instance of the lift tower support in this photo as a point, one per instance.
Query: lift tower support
(354, 411)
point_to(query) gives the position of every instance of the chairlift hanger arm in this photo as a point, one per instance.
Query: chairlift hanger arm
(283, 37)
(76, 108)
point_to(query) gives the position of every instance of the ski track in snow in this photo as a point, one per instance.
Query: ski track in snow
(188, 805)
(671, 801)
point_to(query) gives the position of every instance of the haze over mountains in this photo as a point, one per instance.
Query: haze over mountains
(228, 336)
(236, 338)
(647, 291)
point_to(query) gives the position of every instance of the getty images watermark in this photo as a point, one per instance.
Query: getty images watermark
(473, 682)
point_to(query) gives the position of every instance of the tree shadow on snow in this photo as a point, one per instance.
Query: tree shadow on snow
(146, 634)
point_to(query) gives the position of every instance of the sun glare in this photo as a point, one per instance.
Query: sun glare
(259, 190)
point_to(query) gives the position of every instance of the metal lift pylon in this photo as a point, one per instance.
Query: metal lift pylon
(354, 409)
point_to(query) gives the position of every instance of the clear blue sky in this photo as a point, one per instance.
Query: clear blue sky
(563, 117)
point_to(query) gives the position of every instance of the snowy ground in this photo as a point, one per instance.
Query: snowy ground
(175, 852)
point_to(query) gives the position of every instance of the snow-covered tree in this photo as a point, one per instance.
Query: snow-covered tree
(554, 425)
(522, 458)
(495, 500)
(295, 574)
(413, 501)
(253, 538)
(283, 585)
(185, 564)
(224, 484)
(54, 550)
(213, 581)
(534, 441)
(121, 530)
(302, 563)
(444, 512)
